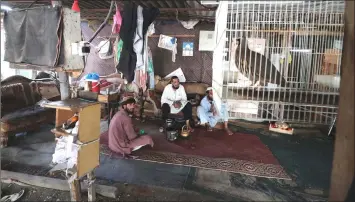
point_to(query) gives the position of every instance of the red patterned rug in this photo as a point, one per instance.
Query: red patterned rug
(239, 153)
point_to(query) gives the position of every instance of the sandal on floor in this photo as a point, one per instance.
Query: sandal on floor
(12, 197)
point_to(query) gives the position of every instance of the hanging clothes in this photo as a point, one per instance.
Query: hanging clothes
(119, 50)
(150, 70)
(138, 38)
(128, 58)
(117, 21)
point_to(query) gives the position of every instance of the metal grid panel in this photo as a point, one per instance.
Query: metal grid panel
(300, 39)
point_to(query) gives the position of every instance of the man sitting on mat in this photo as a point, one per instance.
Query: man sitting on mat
(174, 100)
(208, 114)
(122, 137)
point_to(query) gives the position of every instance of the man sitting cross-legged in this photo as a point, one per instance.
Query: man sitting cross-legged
(122, 137)
(208, 114)
(174, 100)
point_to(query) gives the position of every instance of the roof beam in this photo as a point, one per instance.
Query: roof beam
(161, 9)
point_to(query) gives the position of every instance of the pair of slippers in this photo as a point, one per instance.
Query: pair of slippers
(12, 197)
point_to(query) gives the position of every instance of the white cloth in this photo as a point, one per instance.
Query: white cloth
(170, 95)
(66, 151)
(203, 112)
(137, 147)
(138, 38)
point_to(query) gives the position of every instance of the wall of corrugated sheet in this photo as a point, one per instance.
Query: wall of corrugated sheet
(197, 68)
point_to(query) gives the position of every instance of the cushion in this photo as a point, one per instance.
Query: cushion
(13, 97)
(26, 117)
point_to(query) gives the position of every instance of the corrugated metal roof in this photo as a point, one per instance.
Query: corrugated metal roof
(98, 9)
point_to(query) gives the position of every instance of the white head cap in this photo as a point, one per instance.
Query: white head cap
(208, 89)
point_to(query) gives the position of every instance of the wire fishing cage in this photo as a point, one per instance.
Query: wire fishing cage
(279, 60)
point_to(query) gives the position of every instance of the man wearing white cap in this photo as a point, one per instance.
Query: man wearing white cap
(208, 114)
(174, 100)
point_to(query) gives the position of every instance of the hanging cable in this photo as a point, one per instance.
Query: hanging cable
(104, 23)
(34, 2)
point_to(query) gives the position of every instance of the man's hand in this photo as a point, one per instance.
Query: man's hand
(213, 110)
(177, 104)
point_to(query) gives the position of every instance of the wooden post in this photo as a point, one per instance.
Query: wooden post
(75, 190)
(91, 186)
(343, 160)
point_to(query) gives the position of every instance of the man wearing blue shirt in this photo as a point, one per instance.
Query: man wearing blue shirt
(208, 114)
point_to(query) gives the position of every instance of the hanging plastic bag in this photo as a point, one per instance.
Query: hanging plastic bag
(105, 49)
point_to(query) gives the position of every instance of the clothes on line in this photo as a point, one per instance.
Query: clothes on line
(132, 34)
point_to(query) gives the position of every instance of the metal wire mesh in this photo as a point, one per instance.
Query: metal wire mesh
(281, 60)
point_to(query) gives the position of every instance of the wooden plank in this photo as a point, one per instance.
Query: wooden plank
(343, 160)
(108, 98)
(89, 123)
(88, 158)
(88, 95)
(174, 35)
(52, 183)
(62, 116)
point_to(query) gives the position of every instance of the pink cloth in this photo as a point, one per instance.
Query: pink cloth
(122, 137)
(117, 21)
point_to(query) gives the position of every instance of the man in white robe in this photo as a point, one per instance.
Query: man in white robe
(208, 114)
(174, 100)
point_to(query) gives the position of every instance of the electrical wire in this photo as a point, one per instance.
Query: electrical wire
(34, 2)
(104, 23)
(97, 32)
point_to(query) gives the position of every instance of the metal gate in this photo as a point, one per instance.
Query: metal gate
(279, 60)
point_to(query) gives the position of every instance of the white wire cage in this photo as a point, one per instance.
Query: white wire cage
(279, 60)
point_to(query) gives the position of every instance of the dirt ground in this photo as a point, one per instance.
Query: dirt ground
(126, 193)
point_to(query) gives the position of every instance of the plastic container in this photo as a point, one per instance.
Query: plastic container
(95, 86)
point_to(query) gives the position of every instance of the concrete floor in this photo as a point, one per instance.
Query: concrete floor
(306, 156)
(126, 192)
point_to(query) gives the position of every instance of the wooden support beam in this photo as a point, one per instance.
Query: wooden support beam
(343, 159)
(91, 187)
(161, 9)
(75, 190)
(86, 17)
(174, 35)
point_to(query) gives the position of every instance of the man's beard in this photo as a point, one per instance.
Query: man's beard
(176, 87)
(129, 111)
(210, 98)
